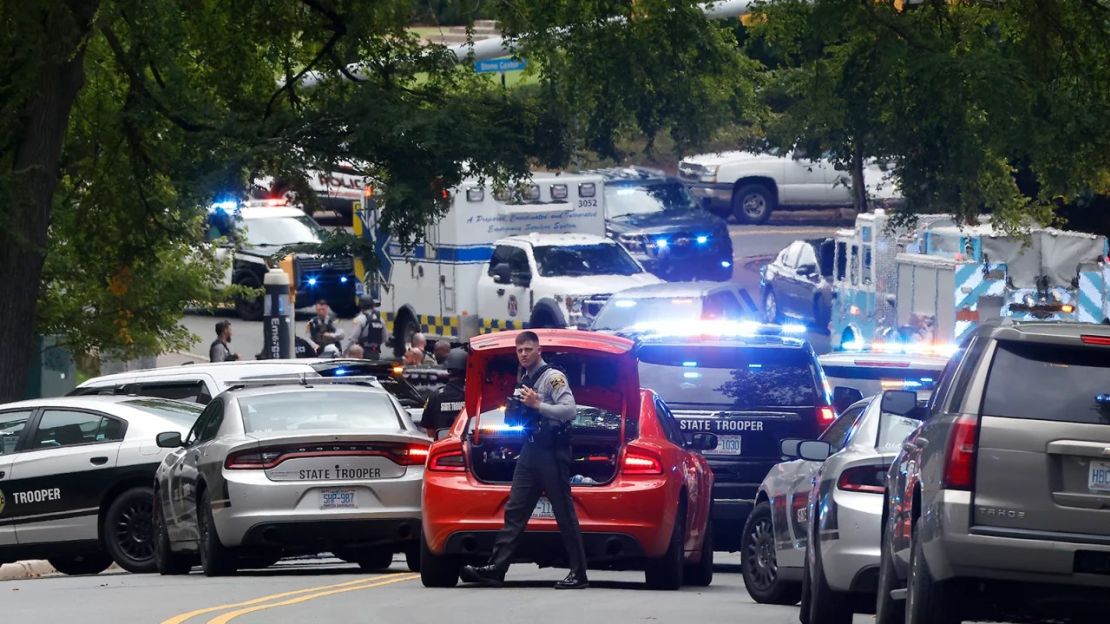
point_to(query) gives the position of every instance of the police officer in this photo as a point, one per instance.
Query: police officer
(323, 329)
(369, 329)
(444, 404)
(542, 468)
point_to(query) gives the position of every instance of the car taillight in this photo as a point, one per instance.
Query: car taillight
(1102, 341)
(254, 459)
(413, 455)
(825, 416)
(959, 469)
(862, 479)
(639, 462)
(267, 458)
(447, 461)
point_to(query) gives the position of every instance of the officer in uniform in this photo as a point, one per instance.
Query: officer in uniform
(370, 330)
(542, 468)
(444, 404)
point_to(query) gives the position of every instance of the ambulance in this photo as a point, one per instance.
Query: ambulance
(535, 255)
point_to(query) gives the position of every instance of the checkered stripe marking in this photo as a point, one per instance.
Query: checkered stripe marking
(1092, 286)
(431, 325)
(492, 325)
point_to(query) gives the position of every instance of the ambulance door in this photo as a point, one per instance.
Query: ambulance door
(503, 288)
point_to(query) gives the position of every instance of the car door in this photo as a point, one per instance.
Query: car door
(62, 472)
(804, 281)
(185, 472)
(13, 428)
(803, 181)
(787, 284)
(506, 302)
(691, 466)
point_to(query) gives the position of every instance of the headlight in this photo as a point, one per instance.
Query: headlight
(632, 242)
(709, 173)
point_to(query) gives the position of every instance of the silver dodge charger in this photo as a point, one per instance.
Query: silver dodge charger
(281, 467)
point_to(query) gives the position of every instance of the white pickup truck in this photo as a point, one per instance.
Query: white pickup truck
(753, 185)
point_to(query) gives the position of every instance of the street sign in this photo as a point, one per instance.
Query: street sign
(499, 65)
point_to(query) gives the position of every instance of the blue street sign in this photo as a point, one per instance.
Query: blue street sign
(499, 65)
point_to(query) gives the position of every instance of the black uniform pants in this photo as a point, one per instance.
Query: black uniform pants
(540, 471)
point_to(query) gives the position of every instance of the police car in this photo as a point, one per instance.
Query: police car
(75, 479)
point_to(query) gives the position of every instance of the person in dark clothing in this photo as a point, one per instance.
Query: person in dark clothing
(369, 329)
(542, 468)
(444, 404)
(220, 350)
(323, 329)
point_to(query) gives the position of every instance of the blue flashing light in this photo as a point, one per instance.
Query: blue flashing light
(755, 366)
(691, 375)
(625, 303)
(662, 243)
(343, 280)
(909, 383)
(725, 264)
(1103, 399)
(690, 364)
(312, 281)
(703, 239)
(794, 328)
(502, 427)
(927, 379)
(229, 205)
(339, 372)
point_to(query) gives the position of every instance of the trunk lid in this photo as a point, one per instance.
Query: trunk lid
(333, 456)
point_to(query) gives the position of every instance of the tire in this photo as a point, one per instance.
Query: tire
(168, 562)
(545, 319)
(700, 574)
(437, 570)
(753, 204)
(772, 312)
(128, 530)
(94, 563)
(412, 558)
(375, 560)
(888, 610)
(927, 600)
(215, 558)
(249, 309)
(826, 605)
(758, 563)
(665, 573)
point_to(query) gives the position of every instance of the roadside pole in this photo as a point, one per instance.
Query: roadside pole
(277, 327)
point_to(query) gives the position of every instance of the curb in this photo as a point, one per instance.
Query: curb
(22, 570)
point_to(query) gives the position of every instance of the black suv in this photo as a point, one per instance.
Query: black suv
(751, 389)
(657, 220)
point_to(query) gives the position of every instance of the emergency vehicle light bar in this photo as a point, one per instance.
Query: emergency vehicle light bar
(741, 329)
(943, 350)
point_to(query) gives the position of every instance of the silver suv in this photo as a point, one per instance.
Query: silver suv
(998, 506)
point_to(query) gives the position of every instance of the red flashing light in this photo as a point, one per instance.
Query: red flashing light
(825, 416)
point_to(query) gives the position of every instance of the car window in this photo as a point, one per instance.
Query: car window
(515, 257)
(837, 433)
(193, 391)
(841, 261)
(11, 426)
(722, 305)
(670, 426)
(792, 253)
(207, 424)
(182, 413)
(806, 255)
(319, 410)
(942, 398)
(59, 427)
(94, 391)
(1072, 383)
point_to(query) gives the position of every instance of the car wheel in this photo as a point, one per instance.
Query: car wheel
(412, 558)
(167, 561)
(437, 570)
(887, 609)
(826, 605)
(249, 309)
(700, 574)
(128, 530)
(771, 311)
(215, 558)
(758, 562)
(375, 559)
(81, 564)
(666, 572)
(753, 204)
(927, 600)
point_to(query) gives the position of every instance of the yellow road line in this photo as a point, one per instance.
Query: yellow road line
(184, 617)
(227, 617)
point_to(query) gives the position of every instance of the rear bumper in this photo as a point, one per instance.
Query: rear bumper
(546, 547)
(325, 534)
(855, 546)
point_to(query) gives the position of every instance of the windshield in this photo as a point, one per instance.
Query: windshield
(1071, 384)
(280, 231)
(320, 410)
(623, 200)
(570, 260)
(622, 313)
(730, 377)
(178, 412)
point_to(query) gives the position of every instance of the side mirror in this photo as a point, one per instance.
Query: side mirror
(501, 273)
(814, 450)
(703, 441)
(807, 270)
(900, 402)
(844, 397)
(169, 440)
(789, 447)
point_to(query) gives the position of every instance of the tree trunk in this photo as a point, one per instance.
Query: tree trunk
(859, 188)
(34, 178)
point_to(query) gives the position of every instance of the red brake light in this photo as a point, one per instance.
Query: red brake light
(862, 479)
(414, 455)
(254, 459)
(959, 469)
(825, 416)
(267, 458)
(447, 461)
(1102, 341)
(639, 462)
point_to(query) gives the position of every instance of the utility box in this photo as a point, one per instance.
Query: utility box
(53, 369)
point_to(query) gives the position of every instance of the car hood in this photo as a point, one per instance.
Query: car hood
(581, 285)
(723, 158)
(663, 222)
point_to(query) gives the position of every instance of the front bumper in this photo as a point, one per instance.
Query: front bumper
(261, 508)
(716, 195)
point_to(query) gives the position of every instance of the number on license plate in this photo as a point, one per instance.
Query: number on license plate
(726, 445)
(543, 509)
(1098, 478)
(338, 498)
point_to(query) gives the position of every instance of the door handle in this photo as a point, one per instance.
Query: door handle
(98, 461)
(500, 292)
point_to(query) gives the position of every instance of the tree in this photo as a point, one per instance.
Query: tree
(120, 118)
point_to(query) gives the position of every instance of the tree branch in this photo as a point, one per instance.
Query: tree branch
(290, 85)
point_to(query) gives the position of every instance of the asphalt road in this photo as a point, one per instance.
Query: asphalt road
(329, 591)
(753, 246)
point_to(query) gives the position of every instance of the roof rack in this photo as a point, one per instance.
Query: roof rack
(304, 379)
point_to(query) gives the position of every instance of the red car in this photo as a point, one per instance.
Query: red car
(642, 493)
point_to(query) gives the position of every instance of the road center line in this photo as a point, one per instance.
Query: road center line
(227, 617)
(184, 617)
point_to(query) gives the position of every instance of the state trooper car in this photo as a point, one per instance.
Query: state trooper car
(75, 476)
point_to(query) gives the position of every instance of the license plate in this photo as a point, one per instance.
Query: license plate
(543, 510)
(1098, 479)
(338, 498)
(726, 445)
